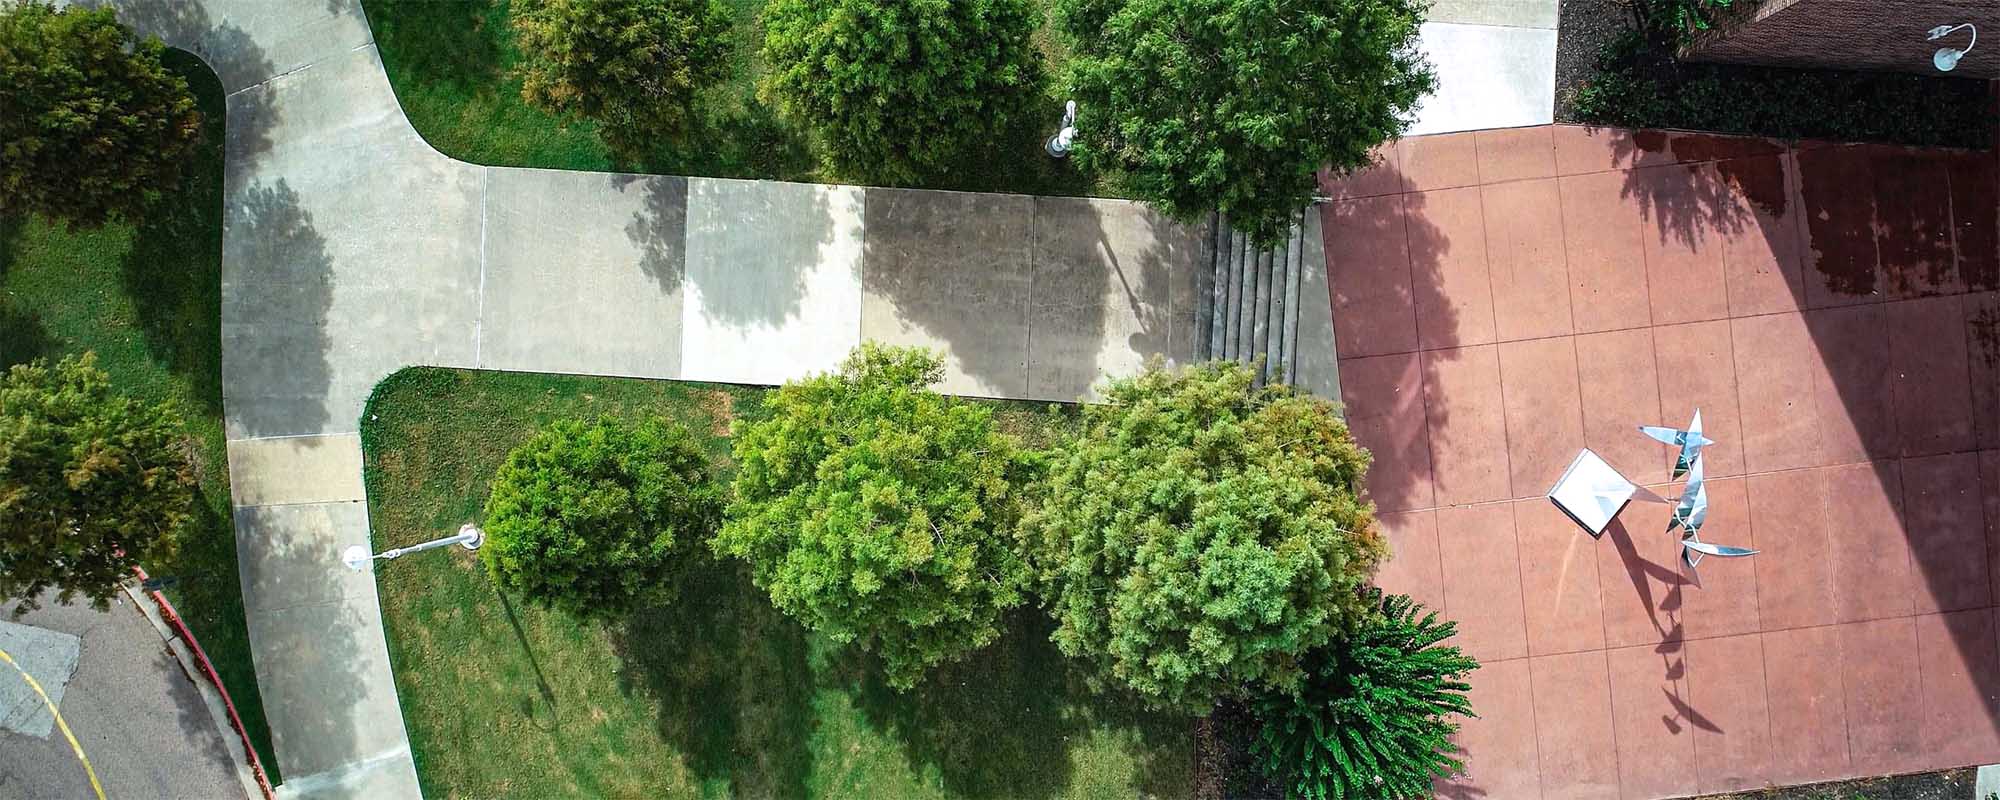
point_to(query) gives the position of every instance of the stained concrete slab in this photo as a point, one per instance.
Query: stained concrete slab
(951, 271)
(1488, 76)
(50, 657)
(1317, 368)
(296, 469)
(350, 249)
(583, 273)
(1512, 13)
(773, 279)
(1113, 286)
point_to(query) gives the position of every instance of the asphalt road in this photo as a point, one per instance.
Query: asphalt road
(139, 719)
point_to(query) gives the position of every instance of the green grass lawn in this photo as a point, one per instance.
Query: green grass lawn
(146, 295)
(450, 62)
(715, 694)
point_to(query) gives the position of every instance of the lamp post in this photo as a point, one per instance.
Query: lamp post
(1946, 58)
(1059, 144)
(469, 536)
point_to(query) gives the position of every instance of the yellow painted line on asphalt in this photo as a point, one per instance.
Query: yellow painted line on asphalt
(73, 745)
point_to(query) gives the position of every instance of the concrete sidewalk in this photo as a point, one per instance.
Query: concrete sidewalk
(351, 249)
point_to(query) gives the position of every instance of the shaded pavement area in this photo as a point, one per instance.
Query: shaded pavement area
(1504, 298)
(136, 714)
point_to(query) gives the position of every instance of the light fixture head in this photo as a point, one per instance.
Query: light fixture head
(1946, 58)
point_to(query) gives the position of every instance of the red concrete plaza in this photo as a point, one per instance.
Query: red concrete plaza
(1504, 298)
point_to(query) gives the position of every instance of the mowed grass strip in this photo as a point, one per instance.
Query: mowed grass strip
(451, 63)
(146, 295)
(715, 694)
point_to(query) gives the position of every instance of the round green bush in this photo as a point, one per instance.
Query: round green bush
(1235, 105)
(92, 126)
(877, 511)
(634, 66)
(893, 91)
(1200, 535)
(91, 484)
(598, 518)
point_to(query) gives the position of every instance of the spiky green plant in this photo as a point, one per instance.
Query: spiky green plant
(1372, 721)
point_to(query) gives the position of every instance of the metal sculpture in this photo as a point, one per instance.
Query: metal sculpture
(1692, 511)
(1689, 441)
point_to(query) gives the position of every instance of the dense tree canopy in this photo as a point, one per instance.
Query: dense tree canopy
(597, 518)
(633, 66)
(91, 125)
(879, 512)
(91, 484)
(1200, 535)
(892, 91)
(1372, 721)
(1234, 105)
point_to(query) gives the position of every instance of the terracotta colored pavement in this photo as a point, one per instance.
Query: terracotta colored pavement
(1504, 298)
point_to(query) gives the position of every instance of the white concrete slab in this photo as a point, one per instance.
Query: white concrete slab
(1489, 76)
(773, 288)
(47, 656)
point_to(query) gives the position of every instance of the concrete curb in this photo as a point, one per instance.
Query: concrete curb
(211, 697)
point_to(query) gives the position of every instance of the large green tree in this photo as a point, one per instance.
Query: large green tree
(893, 91)
(633, 66)
(1373, 719)
(598, 518)
(1199, 535)
(91, 125)
(91, 484)
(1234, 105)
(879, 512)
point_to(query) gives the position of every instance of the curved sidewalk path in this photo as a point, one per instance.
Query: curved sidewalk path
(351, 249)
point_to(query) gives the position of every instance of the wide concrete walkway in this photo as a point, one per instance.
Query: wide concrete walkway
(352, 249)
(1495, 62)
(1505, 298)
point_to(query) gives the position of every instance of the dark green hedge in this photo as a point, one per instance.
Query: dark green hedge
(1638, 84)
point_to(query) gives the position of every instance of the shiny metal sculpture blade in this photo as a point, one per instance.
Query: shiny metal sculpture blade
(1721, 550)
(1690, 441)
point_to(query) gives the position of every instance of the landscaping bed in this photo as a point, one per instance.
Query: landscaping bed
(716, 693)
(451, 65)
(1612, 74)
(146, 296)
(1956, 784)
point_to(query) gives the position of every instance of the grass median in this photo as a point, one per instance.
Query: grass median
(716, 694)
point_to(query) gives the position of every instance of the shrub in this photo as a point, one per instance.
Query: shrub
(894, 91)
(634, 66)
(1234, 105)
(1370, 721)
(91, 484)
(1199, 536)
(1679, 20)
(879, 512)
(597, 518)
(91, 125)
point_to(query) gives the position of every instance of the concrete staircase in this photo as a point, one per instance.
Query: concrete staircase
(1271, 303)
